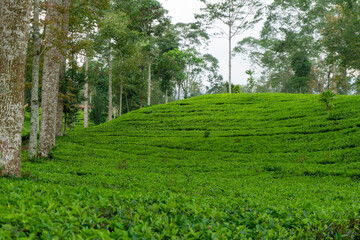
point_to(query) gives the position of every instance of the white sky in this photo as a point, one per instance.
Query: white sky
(184, 10)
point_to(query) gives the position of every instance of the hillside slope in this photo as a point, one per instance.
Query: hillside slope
(271, 166)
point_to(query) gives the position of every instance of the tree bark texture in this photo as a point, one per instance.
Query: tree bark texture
(34, 122)
(86, 94)
(179, 91)
(149, 82)
(334, 79)
(149, 73)
(50, 83)
(230, 58)
(166, 97)
(121, 98)
(14, 18)
(110, 90)
(65, 31)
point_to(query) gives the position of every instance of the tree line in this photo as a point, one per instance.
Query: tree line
(307, 47)
(105, 57)
(111, 57)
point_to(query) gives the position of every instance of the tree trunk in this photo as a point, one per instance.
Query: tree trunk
(334, 79)
(179, 91)
(86, 93)
(110, 90)
(14, 18)
(149, 73)
(50, 81)
(141, 100)
(166, 97)
(230, 58)
(65, 31)
(149, 82)
(346, 82)
(121, 98)
(34, 122)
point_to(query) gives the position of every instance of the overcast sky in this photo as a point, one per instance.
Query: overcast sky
(184, 10)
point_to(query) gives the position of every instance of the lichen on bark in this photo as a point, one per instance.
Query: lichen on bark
(14, 18)
(50, 81)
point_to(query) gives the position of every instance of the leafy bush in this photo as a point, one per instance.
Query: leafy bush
(272, 169)
(327, 98)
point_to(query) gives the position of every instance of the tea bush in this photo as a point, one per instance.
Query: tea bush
(274, 167)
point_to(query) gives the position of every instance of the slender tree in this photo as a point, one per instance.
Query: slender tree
(86, 93)
(150, 16)
(229, 18)
(14, 18)
(34, 122)
(50, 81)
(110, 88)
(64, 34)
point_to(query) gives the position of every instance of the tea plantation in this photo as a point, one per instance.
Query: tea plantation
(271, 166)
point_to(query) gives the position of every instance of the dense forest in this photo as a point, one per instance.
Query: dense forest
(88, 62)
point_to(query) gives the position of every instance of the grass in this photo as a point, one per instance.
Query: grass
(272, 166)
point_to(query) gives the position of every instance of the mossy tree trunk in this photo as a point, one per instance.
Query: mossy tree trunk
(14, 18)
(50, 83)
(34, 122)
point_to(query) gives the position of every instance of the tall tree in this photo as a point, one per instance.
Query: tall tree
(14, 18)
(64, 36)
(34, 122)
(50, 83)
(110, 111)
(341, 42)
(229, 18)
(86, 92)
(150, 15)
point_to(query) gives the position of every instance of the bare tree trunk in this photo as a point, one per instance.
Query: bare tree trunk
(14, 18)
(50, 81)
(121, 97)
(230, 58)
(149, 82)
(149, 74)
(179, 91)
(346, 82)
(334, 79)
(34, 122)
(166, 97)
(86, 93)
(110, 90)
(65, 31)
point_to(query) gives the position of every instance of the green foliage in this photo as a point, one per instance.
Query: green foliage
(237, 89)
(98, 112)
(71, 92)
(327, 98)
(273, 168)
(338, 34)
(251, 80)
(206, 134)
(301, 64)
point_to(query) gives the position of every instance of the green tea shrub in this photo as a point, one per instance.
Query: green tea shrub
(269, 169)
